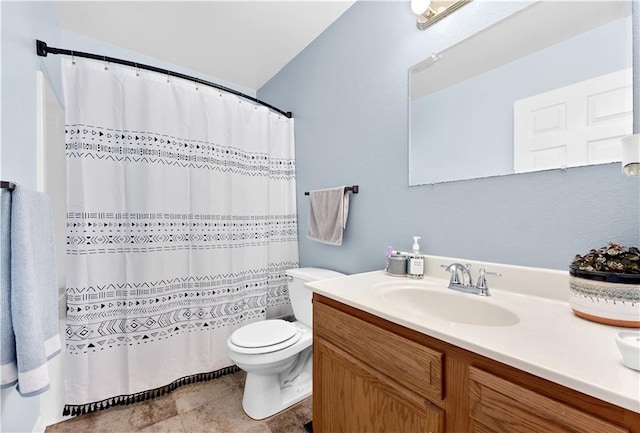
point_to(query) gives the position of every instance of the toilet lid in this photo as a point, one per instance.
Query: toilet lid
(265, 336)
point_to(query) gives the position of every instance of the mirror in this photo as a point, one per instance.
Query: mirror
(507, 99)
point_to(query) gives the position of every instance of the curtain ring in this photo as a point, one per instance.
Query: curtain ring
(73, 58)
(106, 67)
(168, 76)
(137, 70)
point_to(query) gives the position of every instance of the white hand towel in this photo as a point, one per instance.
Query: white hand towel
(34, 303)
(328, 212)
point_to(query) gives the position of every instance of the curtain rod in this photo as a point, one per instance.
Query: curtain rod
(42, 50)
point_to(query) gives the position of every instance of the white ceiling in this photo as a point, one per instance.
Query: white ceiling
(242, 42)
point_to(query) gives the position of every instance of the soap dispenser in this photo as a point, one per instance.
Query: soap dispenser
(415, 262)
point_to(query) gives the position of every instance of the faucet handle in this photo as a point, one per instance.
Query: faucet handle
(482, 279)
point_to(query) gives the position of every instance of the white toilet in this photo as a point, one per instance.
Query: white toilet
(276, 354)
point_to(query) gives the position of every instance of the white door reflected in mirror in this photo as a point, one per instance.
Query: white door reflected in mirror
(575, 125)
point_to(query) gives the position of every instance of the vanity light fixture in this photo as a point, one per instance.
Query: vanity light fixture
(432, 11)
(631, 155)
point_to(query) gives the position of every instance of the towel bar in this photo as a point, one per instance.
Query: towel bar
(354, 189)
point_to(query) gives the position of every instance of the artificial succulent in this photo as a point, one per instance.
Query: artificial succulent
(613, 258)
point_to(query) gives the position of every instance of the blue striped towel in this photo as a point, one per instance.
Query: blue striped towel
(31, 289)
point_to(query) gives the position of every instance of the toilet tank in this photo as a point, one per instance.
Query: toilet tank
(300, 296)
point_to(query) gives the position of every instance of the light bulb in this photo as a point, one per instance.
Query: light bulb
(631, 155)
(631, 169)
(419, 7)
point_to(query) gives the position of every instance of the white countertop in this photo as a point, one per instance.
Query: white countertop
(549, 341)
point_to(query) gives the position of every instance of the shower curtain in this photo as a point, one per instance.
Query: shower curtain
(181, 222)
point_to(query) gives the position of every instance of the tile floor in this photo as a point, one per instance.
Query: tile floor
(212, 407)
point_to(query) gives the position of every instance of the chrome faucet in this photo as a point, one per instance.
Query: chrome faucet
(462, 281)
(460, 274)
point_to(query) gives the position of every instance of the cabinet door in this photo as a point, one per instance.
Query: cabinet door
(412, 365)
(500, 406)
(351, 397)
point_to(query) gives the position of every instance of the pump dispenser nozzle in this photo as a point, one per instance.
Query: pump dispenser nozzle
(416, 246)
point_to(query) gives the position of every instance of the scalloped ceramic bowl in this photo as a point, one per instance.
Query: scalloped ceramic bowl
(629, 345)
(612, 299)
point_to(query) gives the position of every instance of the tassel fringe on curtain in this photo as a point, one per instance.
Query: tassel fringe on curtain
(124, 400)
(181, 222)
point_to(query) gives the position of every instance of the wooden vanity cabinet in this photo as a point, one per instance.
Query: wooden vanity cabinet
(367, 379)
(371, 375)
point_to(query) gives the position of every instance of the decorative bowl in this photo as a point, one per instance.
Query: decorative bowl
(605, 297)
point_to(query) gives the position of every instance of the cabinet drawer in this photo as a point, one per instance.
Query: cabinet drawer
(412, 365)
(497, 405)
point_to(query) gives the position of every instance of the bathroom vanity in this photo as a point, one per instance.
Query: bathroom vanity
(382, 366)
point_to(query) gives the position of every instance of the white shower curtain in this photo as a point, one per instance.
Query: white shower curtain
(181, 222)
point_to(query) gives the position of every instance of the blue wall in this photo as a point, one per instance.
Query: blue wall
(348, 92)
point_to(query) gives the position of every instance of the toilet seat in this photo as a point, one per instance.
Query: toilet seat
(264, 337)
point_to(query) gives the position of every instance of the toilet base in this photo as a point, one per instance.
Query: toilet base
(264, 396)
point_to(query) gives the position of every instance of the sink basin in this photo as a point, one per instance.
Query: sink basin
(445, 304)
